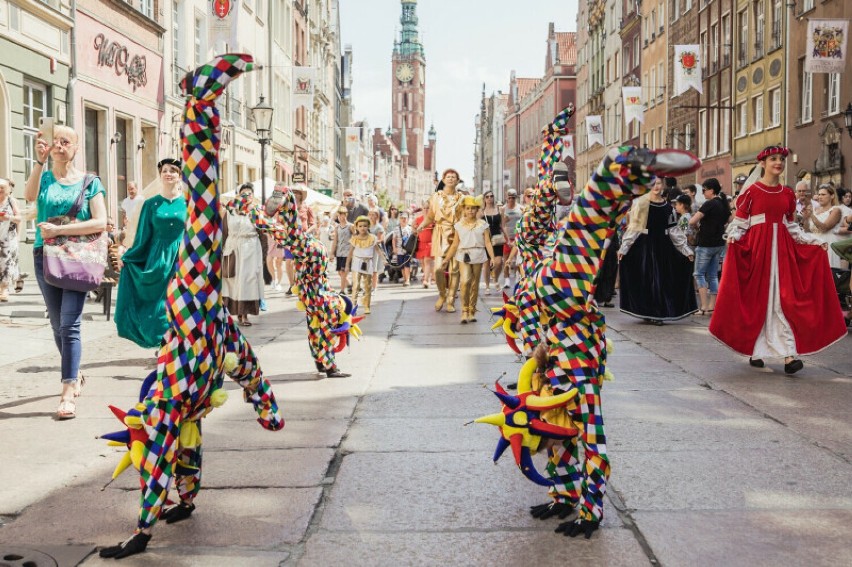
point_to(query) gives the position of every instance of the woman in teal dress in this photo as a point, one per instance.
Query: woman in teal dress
(149, 263)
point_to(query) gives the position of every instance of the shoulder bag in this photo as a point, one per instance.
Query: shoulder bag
(75, 262)
(409, 245)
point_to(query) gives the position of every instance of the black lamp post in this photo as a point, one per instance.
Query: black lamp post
(847, 115)
(262, 117)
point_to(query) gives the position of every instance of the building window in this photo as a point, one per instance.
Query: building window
(757, 109)
(807, 5)
(742, 119)
(147, 8)
(714, 132)
(625, 60)
(687, 137)
(35, 108)
(661, 79)
(92, 138)
(676, 139)
(807, 96)
(714, 48)
(653, 139)
(742, 51)
(777, 16)
(636, 52)
(727, 46)
(198, 46)
(833, 91)
(653, 98)
(726, 126)
(674, 11)
(775, 102)
(759, 21)
(688, 6)
(704, 48)
(702, 134)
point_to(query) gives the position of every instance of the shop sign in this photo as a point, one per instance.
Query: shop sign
(113, 54)
(298, 177)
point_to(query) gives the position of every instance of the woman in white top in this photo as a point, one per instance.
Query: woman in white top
(472, 249)
(822, 220)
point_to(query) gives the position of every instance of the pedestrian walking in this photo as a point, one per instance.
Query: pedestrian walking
(131, 203)
(361, 260)
(378, 230)
(342, 234)
(10, 220)
(472, 249)
(655, 262)
(242, 279)
(777, 296)
(491, 214)
(709, 221)
(400, 243)
(444, 210)
(510, 215)
(148, 266)
(424, 247)
(56, 190)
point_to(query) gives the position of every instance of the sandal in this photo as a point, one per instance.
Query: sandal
(67, 409)
(19, 285)
(78, 386)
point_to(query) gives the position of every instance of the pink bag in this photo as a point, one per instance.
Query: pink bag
(75, 262)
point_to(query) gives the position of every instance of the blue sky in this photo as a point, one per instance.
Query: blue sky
(467, 43)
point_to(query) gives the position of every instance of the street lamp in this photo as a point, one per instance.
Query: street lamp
(847, 115)
(262, 117)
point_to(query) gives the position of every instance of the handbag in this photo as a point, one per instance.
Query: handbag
(229, 265)
(498, 239)
(75, 262)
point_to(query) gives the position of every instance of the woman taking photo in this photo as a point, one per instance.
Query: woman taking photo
(55, 190)
(149, 264)
(777, 297)
(491, 215)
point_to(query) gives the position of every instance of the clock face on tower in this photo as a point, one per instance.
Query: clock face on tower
(405, 72)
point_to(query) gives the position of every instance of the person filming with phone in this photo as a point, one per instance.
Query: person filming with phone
(57, 190)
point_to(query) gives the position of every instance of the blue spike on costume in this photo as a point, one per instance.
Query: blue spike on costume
(509, 400)
(119, 436)
(529, 470)
(502, 445)
(147, 384)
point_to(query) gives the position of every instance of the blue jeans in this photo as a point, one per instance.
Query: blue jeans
(65, 310)
(707, 266)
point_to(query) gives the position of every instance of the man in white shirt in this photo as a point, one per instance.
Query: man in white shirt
(129, 204)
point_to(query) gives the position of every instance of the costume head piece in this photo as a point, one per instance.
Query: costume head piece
(168, 161)
(471, 201)
(363, 220)
(772, 150)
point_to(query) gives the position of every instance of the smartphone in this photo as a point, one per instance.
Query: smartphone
(45, 126)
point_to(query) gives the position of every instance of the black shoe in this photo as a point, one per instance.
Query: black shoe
(756, 362)
(578, 527)
(793, 366)
(178, 513)
(135, 544)
(335, 373)
(289, 292)
(551, 509)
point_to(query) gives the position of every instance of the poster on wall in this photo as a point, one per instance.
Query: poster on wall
(826, 47)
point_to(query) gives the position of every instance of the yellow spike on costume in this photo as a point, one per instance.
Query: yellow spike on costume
(122, 465)
(549, 402)
(525, 376)
(499, 323)
(507, 328)
(133, 421)
(498, 419)
(496, 309)
(230, 362)
(137, 454)
(512, 309)
(190, 436)
(116, 444)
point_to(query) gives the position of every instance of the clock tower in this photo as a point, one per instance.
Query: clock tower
(409, 89)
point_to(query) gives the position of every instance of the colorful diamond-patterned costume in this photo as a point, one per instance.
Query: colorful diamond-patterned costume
(203, 343)
(573, 346)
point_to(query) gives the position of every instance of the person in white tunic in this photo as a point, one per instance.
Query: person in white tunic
(472, 250)
(823, 218)
(242, 289)
(362, 261)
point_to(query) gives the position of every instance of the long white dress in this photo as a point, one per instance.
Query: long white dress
(828, 236)
(244, 291)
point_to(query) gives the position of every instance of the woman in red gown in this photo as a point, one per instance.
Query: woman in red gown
(776, 298)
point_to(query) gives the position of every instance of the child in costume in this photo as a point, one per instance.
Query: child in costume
(361, 260)
(202, 344)
(472, 249)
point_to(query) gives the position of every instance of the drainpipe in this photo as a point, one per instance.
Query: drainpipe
(72, 74)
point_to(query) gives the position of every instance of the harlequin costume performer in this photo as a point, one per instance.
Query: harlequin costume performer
(202, 344)
(777, 297)
(519, 317)
(331, 317)
(571, 361)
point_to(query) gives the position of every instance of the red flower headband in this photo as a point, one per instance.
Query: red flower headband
(772, 150)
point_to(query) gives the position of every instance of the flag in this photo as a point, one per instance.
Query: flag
(353, 140)
(529, 168)
(507, 177)
(594, 130)
(632, 104)
(222, 23)
(303, 87)
(826, 47)
(486, 185)
(568, 145)
(687, 69)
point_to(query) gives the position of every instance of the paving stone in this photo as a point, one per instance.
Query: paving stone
(444, 435)
(195, 557)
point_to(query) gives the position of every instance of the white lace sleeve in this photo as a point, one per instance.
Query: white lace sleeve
(678, 238)
(627, 241)
(799, 234)
(736, 228)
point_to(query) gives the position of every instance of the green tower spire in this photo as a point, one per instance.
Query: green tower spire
(409, 41)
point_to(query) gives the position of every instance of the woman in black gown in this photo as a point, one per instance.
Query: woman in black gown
(655, 263)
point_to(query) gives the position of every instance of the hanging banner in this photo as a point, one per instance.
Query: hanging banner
(633, 104)
(353, 140)
(826, 48)
(687, 69)
(222, 23)
(303, 87)
(594, 130)
(486, 185)
(568, 145)
(507, 177)
(529, 168)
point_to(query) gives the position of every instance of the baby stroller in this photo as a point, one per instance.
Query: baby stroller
(395, 263)
(841, 284)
